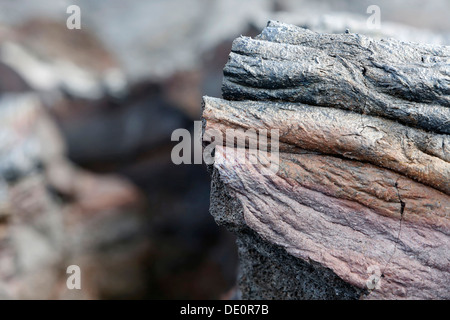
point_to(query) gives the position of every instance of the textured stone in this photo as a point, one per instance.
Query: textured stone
(346, 71)
(362, 189)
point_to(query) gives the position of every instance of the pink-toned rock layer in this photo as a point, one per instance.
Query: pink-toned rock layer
(360, 194)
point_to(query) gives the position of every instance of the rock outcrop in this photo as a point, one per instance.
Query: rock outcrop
(359, 206)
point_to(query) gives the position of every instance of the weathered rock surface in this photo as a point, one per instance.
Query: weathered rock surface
(349, 71)
(362, 194)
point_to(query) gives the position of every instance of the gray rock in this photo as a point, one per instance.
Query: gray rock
(384, 78)
(357, 207)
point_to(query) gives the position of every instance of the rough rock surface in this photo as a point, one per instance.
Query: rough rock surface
(359, 207)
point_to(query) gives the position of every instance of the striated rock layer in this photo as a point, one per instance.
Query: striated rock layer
(359, 206)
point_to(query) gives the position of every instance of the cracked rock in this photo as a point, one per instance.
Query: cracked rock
(358, 207)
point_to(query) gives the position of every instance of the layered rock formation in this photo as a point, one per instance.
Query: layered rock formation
(359, 206)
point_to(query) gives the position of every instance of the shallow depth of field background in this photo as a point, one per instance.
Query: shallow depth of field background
(85, 137)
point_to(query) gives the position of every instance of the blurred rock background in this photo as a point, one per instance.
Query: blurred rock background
(86, 118)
